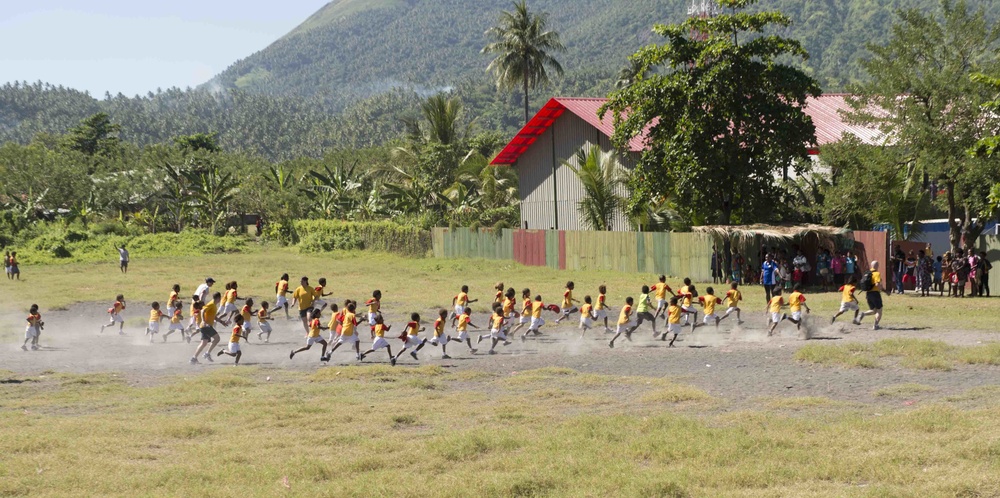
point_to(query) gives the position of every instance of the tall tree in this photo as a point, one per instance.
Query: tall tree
(603, 183)
(96, 135)
(721, 115)
(523, 48)
(922, 95)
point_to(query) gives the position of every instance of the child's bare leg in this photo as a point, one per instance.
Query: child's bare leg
(297, 351)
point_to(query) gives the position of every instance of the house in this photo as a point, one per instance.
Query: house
(550, 191)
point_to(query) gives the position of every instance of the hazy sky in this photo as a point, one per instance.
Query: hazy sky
(135, 46)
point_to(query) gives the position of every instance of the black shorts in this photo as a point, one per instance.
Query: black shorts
(124, 264)
(644, 316)
(208, 333)
(874, 300)
(304, 313)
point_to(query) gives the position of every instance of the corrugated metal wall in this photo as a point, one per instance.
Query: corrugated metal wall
(991, 244)
(536, 180)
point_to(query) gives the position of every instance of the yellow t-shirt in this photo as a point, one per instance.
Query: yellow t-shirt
(379, 330)
(155, 315)
(774, 306)
(305, 297)
(245, 313)
(412, 329)
(624, 315)
(237, 331)
(461, 299)
(674, 314)
(876, 281)
(536, 309)
(526, 310)
(170, 300)
(191, 309)
(508, 306)
(847, 293)
(374, 305)
(567, 299)
(347, 329)
(176, 318)
(463, 322)
(230, 296)
(600, 302)
(709, 301)
(585, 310)
(208, 313)
(733, 297)
(661, 290)
(497, 321)
(687, 298)
(439, 327)
(262, 315)
(795, 301)
(314, 327)
(282, 288)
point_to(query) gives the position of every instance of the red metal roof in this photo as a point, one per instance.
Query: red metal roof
(825, 112)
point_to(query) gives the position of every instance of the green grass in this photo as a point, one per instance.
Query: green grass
(354, 434)
(920, 354)
(904, 390)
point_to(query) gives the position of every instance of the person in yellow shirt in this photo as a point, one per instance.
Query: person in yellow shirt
(173, 300)
(601, 307)
(708, 303)
(498, 298)
(687, 294)
(195, 322)
(464, 322)
(587, 315)
(320, 293)
(459, 302)
(374, 307)
(411, 338)
(348, 330)
(155, 317)
(115, 312)
(797, 301)
(33, 330)
(660, 290)
(440, 339)
(229, 309)
(176, 322)
(733, 298)
(625, 322)
(280, 291)
(263, 322)
(380, 342)
(536, 318)
(497, 329)
(303, 297)
(774, 308)
(525, 316)
(873, 295)
(848, 302)
(209, 336)
(239, 332)
(568, 307)
(313, 337)
(674, 314)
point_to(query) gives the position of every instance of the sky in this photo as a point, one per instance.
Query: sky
(136, 46)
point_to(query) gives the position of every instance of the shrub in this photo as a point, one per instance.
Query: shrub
(327, 235)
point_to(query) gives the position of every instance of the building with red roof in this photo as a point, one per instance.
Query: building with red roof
(550, 191)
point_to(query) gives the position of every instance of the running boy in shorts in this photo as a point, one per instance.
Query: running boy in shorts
(239, 332)
(625, 322)
(847, 301)
(774, 310)
(115, 315)
(797, 301)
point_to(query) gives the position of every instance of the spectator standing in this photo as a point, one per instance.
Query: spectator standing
(850, 264)
(823, 268)
(122, 258)
(738, 263)
(768, 270)
(716, 266)
(973, 273)
(910, 275)
(801, 264)
(924, 270)
(984, 274)
(898, 268)
(837, 267)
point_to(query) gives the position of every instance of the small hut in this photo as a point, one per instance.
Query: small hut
(753, 242)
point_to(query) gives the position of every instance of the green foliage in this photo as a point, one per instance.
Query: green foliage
(326, 235)
(95, 135)
(721, 164)
(603, 181)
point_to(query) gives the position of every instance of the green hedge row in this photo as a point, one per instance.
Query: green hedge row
(331, 235)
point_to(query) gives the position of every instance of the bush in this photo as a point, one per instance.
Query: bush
(327, 235)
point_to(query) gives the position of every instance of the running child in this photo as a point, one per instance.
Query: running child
(440, 339)
(601, 308)
(797, 301)
(313, 337)
(848, 301)
(625, 322)
(587, 316)
(498, 298)
(536, 318)
(733, 298)
(643, 313)
(525, 317)
(661, 289)
(567, 304)
(263, 322)
(34, 329)
(349, 330)
(774, 308)
(115, 312)
(674, 312)
(177, 323)
(195, 321)
(380, 342)
(459, 302)
(247, 313)
(509, 302)
(209, 336)
(337, 321)
(229, 309)
(374, 308)
(239, 332)
(320, 303)
(464, 322)
(687, 295)
(411, 338)
(280, 291)
(708, 302)
(173, 301)
(496, 329)
(155, 317)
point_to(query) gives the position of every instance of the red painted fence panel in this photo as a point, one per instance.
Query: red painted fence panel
(529, 247)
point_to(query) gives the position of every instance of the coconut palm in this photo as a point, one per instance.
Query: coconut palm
(602, 178)
(630, 73)
(523, 51)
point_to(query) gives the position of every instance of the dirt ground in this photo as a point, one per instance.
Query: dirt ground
(739, 364)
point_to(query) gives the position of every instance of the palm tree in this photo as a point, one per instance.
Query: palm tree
(522, 46)
(631, 73)
(602, 178)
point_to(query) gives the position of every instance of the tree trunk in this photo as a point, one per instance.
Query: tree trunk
(526, 108)
(955, 230)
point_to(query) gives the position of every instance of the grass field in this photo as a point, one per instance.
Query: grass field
(426, 432)
(479, 428)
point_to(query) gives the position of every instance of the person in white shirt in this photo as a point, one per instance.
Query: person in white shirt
(122, 258)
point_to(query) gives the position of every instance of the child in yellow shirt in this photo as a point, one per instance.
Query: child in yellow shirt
(774, 309)
(601, 307)
(587, 316)
(797, 301)
(568, 307)
(239, 332)
(440, 339)
(848, 302)
(411, 338)
(115, 312)
(313, 337)
(155, 316)
(625, 322)
(176, 322)
(708, 302)
(349, 330)
(733, 298)
(380, 341)
(464, 322)
(674, 313)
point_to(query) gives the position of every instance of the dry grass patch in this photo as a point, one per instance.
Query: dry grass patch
(904, 390)
(803, 403)
(919, 354)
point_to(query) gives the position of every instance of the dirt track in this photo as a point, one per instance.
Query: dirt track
(738, 364)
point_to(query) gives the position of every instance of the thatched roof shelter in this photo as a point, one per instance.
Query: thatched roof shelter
(774, 234)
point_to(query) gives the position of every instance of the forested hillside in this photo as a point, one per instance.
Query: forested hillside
(346, 76)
